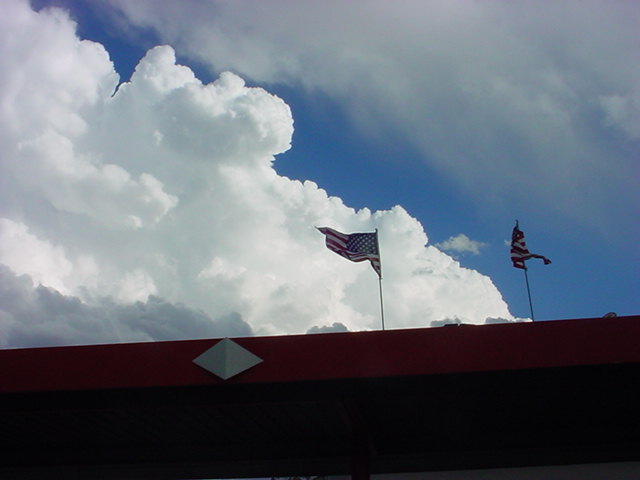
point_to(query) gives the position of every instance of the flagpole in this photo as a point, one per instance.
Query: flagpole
(381, 306)
(526, 277)
(520, 254)
(380, 281)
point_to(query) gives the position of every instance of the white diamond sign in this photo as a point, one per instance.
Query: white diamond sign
(226, 359)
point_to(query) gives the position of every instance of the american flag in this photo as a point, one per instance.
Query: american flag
(356, 247)
(519, 250)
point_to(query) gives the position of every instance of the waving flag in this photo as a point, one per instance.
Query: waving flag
(519, 250)
(356, 247)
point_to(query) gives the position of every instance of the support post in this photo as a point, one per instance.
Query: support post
(360, 461)
(359, 439)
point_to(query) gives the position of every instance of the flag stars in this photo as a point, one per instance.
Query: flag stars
(363, 242)
(357, 247)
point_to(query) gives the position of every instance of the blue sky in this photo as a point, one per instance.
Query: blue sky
(468, 115)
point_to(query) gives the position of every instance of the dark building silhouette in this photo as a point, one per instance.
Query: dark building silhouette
(532, 396)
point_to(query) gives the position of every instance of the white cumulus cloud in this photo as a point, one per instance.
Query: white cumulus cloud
(509, 100)
(461, 244)
(134, 208)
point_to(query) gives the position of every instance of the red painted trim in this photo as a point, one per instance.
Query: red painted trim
(443, 350)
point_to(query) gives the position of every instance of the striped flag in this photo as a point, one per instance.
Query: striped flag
(519, 250)
(356, 247)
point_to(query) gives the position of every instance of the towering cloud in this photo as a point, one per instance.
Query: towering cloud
(152, 210)
(508, 100)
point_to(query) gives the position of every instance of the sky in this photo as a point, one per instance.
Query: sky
(164, 165)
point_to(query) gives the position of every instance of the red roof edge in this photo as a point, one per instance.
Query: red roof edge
(331, 356)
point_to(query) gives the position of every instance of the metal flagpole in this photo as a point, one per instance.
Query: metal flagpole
(526, 277)
(381, 306)
(380, 280)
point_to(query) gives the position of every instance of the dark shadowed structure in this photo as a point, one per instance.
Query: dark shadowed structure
(419, 400)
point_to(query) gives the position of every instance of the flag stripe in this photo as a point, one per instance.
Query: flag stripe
(519, 250)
